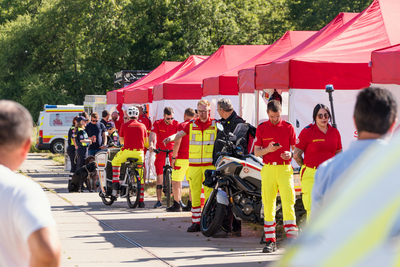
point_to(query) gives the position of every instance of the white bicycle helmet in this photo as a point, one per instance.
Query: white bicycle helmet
(133, 112)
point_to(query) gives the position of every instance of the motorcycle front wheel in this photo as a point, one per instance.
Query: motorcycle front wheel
(212, 216)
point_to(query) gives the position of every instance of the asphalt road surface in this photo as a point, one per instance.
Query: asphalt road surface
(93, 234)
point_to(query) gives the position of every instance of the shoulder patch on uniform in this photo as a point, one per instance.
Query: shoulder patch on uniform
(288, 122)
(308, 126)
(261, 123)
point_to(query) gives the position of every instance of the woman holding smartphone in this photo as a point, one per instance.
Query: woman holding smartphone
(319, 142)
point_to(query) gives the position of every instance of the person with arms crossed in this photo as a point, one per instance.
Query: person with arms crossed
(274, 139)
(375, 117)
(133, 136)
(318, 141)
(27, 228)
(97, 129)
(202, 133)
(162, 129)
(229, 119)
(180, 162)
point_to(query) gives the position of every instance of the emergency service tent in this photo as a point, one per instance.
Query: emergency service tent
(341, 59)
(187, 87)
(229, 79)
(246, 76)
(385, 70)
(117, 96)
(143, 94)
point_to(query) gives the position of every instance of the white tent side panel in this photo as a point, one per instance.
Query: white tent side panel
(247, 110)
(303, 101)
(179, 107)
(213, 99)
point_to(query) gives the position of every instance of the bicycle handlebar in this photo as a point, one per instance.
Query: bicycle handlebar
(160, 150)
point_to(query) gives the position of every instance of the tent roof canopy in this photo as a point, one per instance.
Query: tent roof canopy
(386, 65)
(116, 96)
(144, 93)
(226, 82)
(188, 85)
(342, 57)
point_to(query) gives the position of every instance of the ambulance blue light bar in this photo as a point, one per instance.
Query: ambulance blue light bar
(50, 106)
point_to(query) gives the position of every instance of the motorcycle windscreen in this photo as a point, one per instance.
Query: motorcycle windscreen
(240, 131)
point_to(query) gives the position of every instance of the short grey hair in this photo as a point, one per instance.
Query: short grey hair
(225, 104)
(15, 124)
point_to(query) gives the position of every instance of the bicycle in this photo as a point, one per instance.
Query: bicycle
(167, 173)
(130, 186)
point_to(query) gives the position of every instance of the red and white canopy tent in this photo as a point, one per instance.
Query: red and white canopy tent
(143, 94)
(342, 59)
(385, 70)
(186, 90)
(250, 97)
(116, 97)
(229, 79)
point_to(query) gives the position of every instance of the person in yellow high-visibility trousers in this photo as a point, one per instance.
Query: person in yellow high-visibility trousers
(319, 142)
(202, 133)
(274, 139)
(133, 135)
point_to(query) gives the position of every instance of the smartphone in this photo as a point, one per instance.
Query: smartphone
(276, 144)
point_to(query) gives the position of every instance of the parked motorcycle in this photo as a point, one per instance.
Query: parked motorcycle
(236, 180)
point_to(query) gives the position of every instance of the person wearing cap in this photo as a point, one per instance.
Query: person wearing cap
(113, 135)
(82, 140)
(274, 139)
(133, 135)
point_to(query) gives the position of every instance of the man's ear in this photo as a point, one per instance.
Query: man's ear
(26, 146)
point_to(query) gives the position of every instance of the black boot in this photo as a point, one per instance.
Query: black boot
(115, 190)
(188, 207)
(269, 247)
(176, 207)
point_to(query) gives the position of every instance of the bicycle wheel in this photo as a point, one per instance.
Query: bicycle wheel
(132, 198)
(167, 186)
(108, 201)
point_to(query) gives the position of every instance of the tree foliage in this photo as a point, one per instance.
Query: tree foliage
(58, 51)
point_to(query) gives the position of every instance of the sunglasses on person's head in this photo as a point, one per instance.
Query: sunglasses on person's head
(168, 119)
(321, 116)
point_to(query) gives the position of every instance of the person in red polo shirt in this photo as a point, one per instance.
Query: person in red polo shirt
(147, 122)
(274, 139)
(133, 135)
(319, 142)
(162, 129)
(180, 162)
